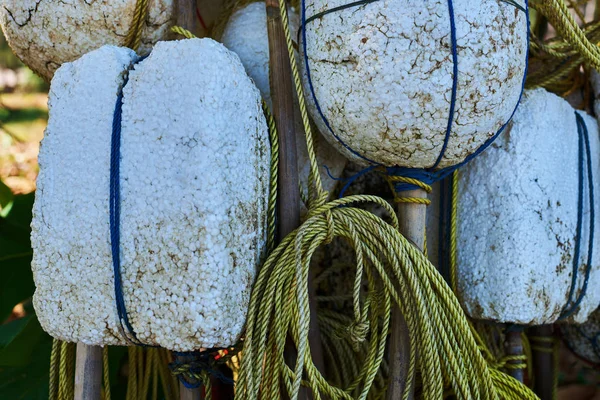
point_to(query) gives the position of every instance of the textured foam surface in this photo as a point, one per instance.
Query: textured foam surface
(382, 74)
(194, 188)
(246, 34)
(518, 204)
(45, 34)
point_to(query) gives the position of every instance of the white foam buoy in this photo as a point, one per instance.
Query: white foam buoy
(518, 216)
(194, 178)
(379, 77)
(246, 35)
(46, 34)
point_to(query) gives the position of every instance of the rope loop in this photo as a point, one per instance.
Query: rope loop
(183, 32)
(512, 362)
(356, 333)
(399, 182)
(586, 178)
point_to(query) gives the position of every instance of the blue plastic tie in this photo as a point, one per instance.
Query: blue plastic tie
(115, 214)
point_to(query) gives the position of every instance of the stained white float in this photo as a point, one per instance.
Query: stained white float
(517, 218)
(194, 186)
(45, 34)
(382, 74)
(246, 35)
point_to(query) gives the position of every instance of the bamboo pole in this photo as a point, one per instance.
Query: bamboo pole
(88, 372)
(513, 345)
(543, 361)
(412, 219)
(185, 393)
(282, 93)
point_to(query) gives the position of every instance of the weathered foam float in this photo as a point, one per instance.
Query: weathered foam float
(528, 240)
(194, 181)
(584, 339)
(246, 35)
(381, 83)
(46, 34)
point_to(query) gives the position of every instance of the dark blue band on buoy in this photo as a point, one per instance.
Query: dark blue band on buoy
(115, 215)
(585, 165)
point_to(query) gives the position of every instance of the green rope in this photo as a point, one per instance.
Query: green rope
(134, 35)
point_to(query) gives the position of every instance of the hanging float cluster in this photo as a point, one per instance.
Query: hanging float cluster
(154, 215)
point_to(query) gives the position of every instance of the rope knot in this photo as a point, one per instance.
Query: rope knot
(405, 179)
(511, 362)
(194, 369)
(356, 332)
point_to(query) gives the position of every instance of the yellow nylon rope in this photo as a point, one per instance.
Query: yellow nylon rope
(395, 273)
(556, 63)
(54, 370)
(106, 374)
(559, 16)
(134, 35)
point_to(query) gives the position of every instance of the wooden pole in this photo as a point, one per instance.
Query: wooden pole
(513, 345)
(186, 15)
(185, 393)
(412, 218)
(282, 93)
(88, 372)
(543, 361)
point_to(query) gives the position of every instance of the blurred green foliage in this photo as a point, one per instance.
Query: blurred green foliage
(7, 58)
(31, 82)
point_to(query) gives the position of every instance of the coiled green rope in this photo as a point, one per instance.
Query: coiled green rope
(397, 274)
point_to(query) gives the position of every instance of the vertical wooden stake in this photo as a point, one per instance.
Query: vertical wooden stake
(412, 218)
(282, 93)
(513, 345)
(88, 372)
(543, 361)
(185, 393)
(186, 15)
